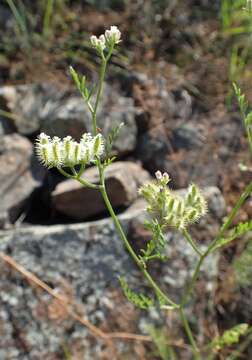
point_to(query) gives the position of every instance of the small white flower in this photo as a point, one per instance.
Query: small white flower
(98, 43)
(162, 178)
(102, 41)
(113, 36)
(158, 175)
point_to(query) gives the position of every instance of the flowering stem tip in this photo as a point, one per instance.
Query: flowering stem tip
(54, 152)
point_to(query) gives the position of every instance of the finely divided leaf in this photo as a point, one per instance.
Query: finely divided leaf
(236, 232)
(230, 337)
(139, 300)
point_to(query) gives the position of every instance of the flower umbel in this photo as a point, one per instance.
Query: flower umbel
(68, 152)
(98, 43)
(169, 208)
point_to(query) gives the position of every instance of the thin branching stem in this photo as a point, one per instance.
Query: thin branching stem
(224, 228)
(80, 180)
(103, 191)
(192, 243)
(138, 261)
(99, 92)
(188, 330)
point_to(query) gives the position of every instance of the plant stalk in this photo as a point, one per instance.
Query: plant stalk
(191, 242)
(188, 331)
(224, 228)
(99, 92)
(118, 227)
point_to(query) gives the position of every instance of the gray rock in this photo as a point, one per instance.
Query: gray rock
(6, 126)
(65, 116)
(188, 136)
(152, 149)
(45, 108)
(26, 102)
(117, 110)
(70, 116)
(82, 261)
(17, 180)
(122, 179)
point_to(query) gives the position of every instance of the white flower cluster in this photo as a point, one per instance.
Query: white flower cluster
(169, 208)
(110, 38)
(68, 152)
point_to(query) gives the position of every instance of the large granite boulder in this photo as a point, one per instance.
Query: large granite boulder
(82, 262)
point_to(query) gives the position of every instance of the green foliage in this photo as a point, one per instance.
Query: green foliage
(109, 161)
(235, 19)
(80, 82)
(21, 16)
(234, 233)
(20, 19)
(47, 18)
(160, 339)
(229, 337)
(248, 124)
(35, 25)
(111, 138)
(243, 104)
(243, 266)
(156, 245)
(237, 28)
(139, 300)
(247, 115)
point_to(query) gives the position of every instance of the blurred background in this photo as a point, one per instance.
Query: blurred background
(170, 83)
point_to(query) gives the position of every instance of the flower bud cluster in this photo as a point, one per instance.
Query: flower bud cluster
(54, 152)
(98, 43)
(170, 209)
(109, 39)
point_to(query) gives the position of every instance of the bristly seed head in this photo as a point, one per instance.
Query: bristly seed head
(169, 208)
(67, 152)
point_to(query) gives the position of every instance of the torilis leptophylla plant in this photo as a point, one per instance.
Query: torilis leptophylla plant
(166, 209)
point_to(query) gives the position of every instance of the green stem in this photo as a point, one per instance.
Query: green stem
(64, 173)
(47, 18)
(99, 92)
(118, 226)
(189, 333)
(87, 183)
(193, 281)
(81, 181)
(224, 228)
(246, 193)
(191, 242)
